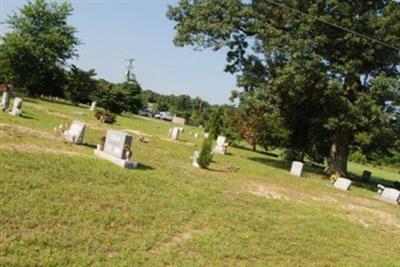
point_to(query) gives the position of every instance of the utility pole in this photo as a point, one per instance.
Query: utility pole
(129, 69)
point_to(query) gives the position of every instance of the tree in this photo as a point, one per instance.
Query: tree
(132, 100)
(216, 123)
(80, 85)
(266, 42)
(205, 156)
(40, 42)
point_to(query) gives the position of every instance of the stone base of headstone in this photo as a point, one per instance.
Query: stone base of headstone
(127, 164)
(220, 150)
(297, 168)
(342, 183)
(389, 195)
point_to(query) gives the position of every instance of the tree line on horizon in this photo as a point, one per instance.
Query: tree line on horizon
(312, 91)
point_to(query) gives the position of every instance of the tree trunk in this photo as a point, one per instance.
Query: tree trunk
(339, 154)
(254, 146)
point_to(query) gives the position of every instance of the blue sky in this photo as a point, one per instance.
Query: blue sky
(112, 31)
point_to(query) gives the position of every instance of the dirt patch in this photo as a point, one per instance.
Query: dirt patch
(174, 240)
(25, 130)
(137, 132)
(268, 192)
(29, 148)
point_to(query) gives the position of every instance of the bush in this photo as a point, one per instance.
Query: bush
(358, 156)
(105, 116)
(205, 156)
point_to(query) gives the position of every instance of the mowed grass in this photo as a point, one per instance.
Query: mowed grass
(62, 206)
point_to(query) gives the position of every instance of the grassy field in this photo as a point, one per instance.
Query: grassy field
(62, 206)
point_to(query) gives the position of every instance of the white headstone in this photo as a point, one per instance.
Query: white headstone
(297, 168)
(17, 107)
(195, 156)
(93, 106)
(117, 149)
(196, 135)
(5, 101)
(221, 146)
(174, 133)
(206, 135)
(342, 183)
(389, 194)
(76, 132)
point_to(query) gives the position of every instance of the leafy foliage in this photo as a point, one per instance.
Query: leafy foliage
(33, 53)
(80, 85)
(205, 156)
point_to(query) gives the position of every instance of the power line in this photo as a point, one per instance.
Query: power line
(334, 25)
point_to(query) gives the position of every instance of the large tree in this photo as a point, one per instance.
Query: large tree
(313, 51)
(36, 49)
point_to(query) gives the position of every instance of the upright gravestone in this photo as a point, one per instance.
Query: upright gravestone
(206, 135)
(221, 146)
(194, 158)
(196, 135)
(389, 194)
(366, 176)
(93, 106)
(17, 107)
(5, 100)
(117, 149)
(76, 132)
(297, 168)
(174, 133)
(342, 183)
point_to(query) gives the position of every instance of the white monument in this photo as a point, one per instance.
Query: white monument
(389, 194)
(297, 168)
(194, 158)
(93, 106)
(117, 149)
(196, 135)
(174, 133)
(342, 183)
(206, 135)
(221, 146)
(76, 132)
(17, 107)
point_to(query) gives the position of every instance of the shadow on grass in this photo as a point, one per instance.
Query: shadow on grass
(144, 167)
(89, 145)
(26, 116)
(372, 184)
(274, 155)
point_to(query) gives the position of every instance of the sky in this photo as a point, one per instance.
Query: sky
(113, 31)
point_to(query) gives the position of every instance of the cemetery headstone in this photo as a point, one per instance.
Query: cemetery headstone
(196, 135)
(297, 168)
(206, 135)
(117, 149)
(5, 101)
(194, 158)
(76, 132)
(17, 107)
(221, 146)
(174, 133)
(342, 183)
(366, 176)
(387, 194)
(93, 106)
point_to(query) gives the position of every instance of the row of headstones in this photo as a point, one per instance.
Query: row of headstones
(388, 194)
(116, 148)
(17, 104)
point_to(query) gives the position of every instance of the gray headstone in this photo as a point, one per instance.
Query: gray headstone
(17, 107)
(116, 144)
(297, 168)
(389, 194)
(76, 132)
(342, 183)
(366, 176)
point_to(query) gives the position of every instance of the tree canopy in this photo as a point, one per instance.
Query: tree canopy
(306, 59)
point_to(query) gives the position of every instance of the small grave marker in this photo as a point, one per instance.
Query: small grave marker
(17, 107)
(76, 132)
(221, 146)
(342, 183)
(389, 194)
(297, 168)
(93, 106)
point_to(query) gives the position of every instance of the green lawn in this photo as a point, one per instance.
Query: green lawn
(62, 206)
